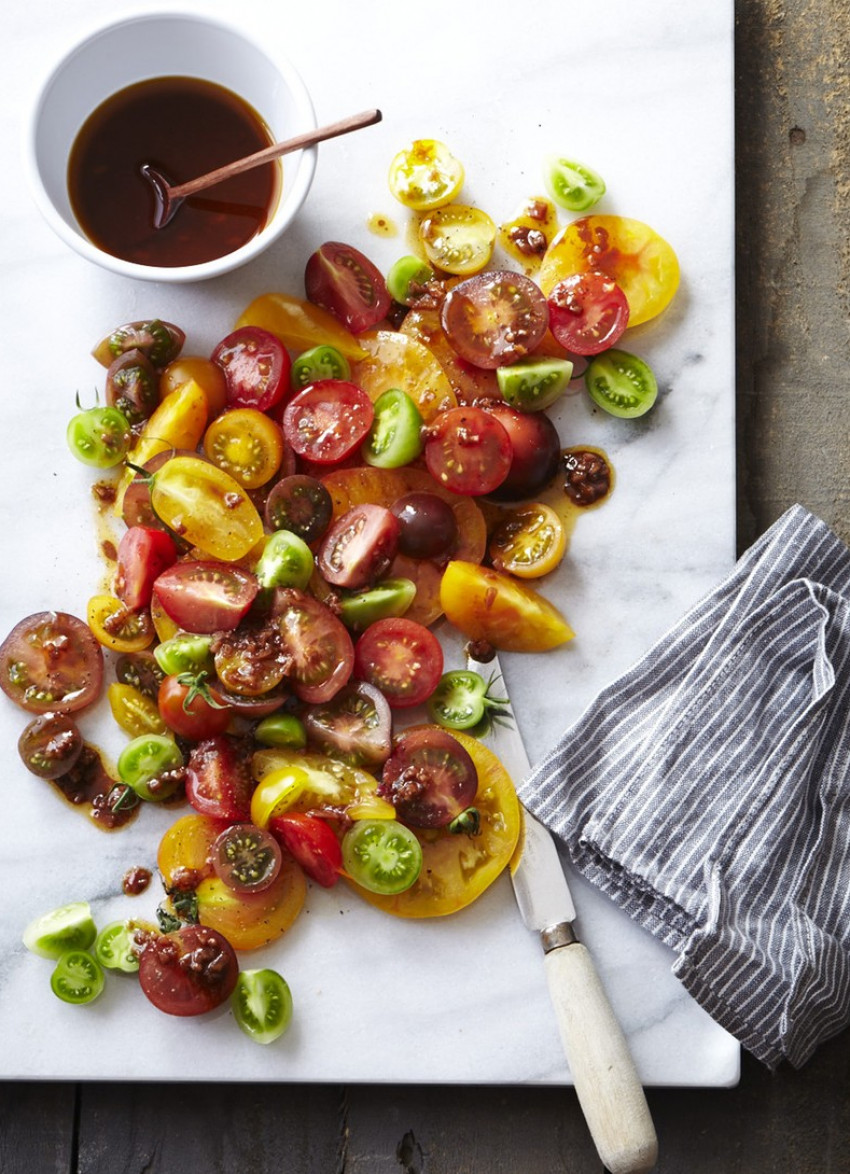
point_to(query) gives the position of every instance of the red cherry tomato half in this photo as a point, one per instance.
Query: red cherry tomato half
(206, 596)
(328, 421)
(535, 452)
(588, 313)
(219, 783)
(354, 727)
(192, 708)
(318, 642)
(312, 843)
(246, 858)
(51, 662)
(494, 318)
(188, 972)
(143, 554)
(256, 367)
(429, 778)
(401, 658)
(340, 279)
(359, 547)
(467, 451)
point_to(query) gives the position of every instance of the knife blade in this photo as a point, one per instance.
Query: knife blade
(604, 1076)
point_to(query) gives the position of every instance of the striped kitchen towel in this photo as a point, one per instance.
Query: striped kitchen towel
(707, 791)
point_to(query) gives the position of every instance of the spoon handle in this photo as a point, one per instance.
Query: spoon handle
(319, 135)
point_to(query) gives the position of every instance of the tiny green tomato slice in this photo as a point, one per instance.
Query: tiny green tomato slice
(406, 272)
(572, 185)
(382, 856)
(70, 927)
(99, 437)
(150, 765)
(390, 597)
(77, 978)
(286, 561)
(262, 1004)
(184, 653)
(320, 362)
(395, 436)
(281, 729)
(622, 384)
(531, 385)
(114, 947)
(463, 701)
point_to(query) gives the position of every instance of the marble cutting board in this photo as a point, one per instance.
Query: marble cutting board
(643, 92)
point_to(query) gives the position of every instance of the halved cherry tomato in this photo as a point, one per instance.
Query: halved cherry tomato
(328, 421)
(317, 641)
(256, 367)
(188, 972)
(458, 239)
(247, 444)
(381, 856)
(400, 657)
(425, 175)
(574, 186)
(143, 554)
(630, 252)
(117, 627)
(250, 660)
(206, 507)
(485, 604)
(191, 706)
(132, 387)
(205, 596)
(359, 547)
(299, 324)
(312, 843)
(315, 784)
(535, 448)
(159, 341)
(134, 711)
(185, 850)
(246, 858)
(177, 424)
(588, 312)
(207, 374)
(529, 541)
(355, 726)
(51, 662)
(52, 743)
(429, 778)
(339, 278)
(301, 504)
(526, 236)
(218, 779)
(494, 318)
(468, 451)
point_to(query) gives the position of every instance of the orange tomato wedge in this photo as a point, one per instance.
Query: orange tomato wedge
(299, 324)
(487, 605)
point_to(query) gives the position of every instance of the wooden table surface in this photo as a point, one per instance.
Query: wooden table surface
(793, 393)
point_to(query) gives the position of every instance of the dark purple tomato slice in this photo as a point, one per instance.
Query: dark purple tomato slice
(427, 525)
(218, 778)
(402, 658)
(494, 318)
(355, 726)
(246, 858)
(359, 547)
(206, 596)
(588, 313)
(535, 452)
(429, 778)
(50, 661)
(132, 386)
(256, 367)
(321, 650)
(328, 421)
(50, 745)
(339, 278)
(467, 451)
(188, 972)
(300, 504)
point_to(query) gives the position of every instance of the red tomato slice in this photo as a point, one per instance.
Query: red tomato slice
(400, 657)
(51, 662)
(312, 843)
(188, 972)
(494, 318)
(359, 547)
(218, 779)
(468, 451)
(256, 367)
(588, 313)
(318, 642)
(206, 596)
(328, 420)
(429, 778)
(340, 279)
(143, 554)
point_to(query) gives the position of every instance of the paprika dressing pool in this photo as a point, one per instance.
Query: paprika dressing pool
(184, 127)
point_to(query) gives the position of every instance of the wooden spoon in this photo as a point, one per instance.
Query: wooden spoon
(168, 197)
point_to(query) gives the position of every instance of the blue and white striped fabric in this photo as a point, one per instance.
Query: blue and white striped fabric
(707, 791)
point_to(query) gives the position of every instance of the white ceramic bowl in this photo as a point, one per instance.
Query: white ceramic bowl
(161, 45)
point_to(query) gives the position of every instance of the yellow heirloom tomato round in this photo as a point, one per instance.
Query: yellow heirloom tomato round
(425, 175)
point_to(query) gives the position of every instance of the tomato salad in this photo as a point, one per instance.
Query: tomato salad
(300, 508)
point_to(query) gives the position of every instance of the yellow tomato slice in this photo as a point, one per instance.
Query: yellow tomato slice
(487, 605)
(396, 360)
(456, 869)
(184, 852)
(178, 422)
(641, 262)
(116, 627)
(458, 239)
(247, 444)
(288, 781)
(299, 324)
(134, 711)
(206, 507)
(468, 383)
(425, 175)
(528, 235)
(529, 541)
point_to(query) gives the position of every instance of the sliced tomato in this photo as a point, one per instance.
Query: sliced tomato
(144, 552)
(207, 374)
(312, 843)
(397, 360)
(206, 507)
(588, 312)
(458, 239)
(425, 175)
(429, 778)
(246, 858)
(219, 783)
(485, 604)
(400, 657)
(468, 451)
(205, 596)
(51, 662)
(339, 278)
(355, 726)
(188, 972)
(359, 547)
(115, 626)
(317, 641)
(299, 324)
(247, 444)
(494, 318)
(328, 421)
(256, 367)
(315, 784)
(529, 541)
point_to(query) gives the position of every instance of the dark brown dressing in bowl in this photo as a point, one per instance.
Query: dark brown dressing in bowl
(183, 127)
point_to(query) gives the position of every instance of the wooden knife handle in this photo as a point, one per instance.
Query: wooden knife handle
(609, 1091)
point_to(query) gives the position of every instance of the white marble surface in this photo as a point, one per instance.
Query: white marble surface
(643, 93)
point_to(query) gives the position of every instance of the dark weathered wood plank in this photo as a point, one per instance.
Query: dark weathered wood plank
(37, 1128)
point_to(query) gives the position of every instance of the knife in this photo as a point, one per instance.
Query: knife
(604, 1076)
